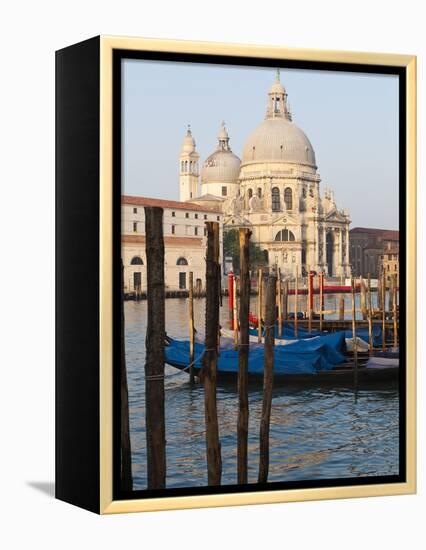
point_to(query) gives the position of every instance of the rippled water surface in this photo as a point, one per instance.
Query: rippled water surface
(315, 433)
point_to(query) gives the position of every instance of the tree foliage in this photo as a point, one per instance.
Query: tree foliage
(231, 248)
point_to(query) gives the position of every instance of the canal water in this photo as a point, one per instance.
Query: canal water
(316, 433)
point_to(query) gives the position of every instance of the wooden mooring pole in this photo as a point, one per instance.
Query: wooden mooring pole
(363, 298)
(370, 316)
(321, 289)
(354, 336)
(310, 299)
(383, 310)
(209, 370)
(235, 313)
(191, 327)
(268, 378)
(395, 311)
(243, 354)
(126, 451)
(285, 300)
(342, 307)
(259, 304)
(154, 362)
(296, 305)
(279, 304)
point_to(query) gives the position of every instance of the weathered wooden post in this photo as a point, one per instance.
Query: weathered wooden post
(209, 370)
(354, 336)
(285, 300)
(363, 301)
(268, 378)
(126, 450)
(310, 298)
(231, 299)
(280, 318)
(321, 289)
(384, 310)
(342, 307)
(370, 316)
(296, 305)
(191, 327)
(259, 304)
(395, 311)
(379, 293)
(390, 295)
(235, 313)
(243, 405)
(154, 362)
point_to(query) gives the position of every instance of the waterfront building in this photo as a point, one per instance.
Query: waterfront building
(274, 190)
(389, 261)
(367, 248)
(184, 241)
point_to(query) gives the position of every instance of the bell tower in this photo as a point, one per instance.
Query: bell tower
(188, 168)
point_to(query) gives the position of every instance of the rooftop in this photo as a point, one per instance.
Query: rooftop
(162, 203)
(384, 233)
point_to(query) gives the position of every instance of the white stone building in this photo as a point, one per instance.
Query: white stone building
(274, 190)
(184, 241)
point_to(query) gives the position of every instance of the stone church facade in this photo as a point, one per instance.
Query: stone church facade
(274, 190)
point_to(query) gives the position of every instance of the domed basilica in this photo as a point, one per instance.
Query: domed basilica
(274, 190)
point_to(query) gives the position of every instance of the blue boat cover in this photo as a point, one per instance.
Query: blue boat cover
(302, 357)
(303, 333)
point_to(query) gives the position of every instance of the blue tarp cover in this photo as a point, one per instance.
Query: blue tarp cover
(303, 357)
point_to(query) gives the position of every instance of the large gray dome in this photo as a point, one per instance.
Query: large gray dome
(278, 140)
(221, 166)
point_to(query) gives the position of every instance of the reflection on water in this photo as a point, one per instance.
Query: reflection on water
(315, 433)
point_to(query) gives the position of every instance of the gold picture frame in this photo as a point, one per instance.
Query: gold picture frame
(107, 46)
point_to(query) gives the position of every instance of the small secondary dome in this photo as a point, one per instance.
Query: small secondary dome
(221, 166)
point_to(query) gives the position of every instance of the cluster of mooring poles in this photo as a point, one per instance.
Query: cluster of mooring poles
(272, 307)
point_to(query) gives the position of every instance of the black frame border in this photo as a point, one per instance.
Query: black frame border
(118, 56)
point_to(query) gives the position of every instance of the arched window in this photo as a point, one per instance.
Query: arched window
(186, 166)
(136, 260)
(276, 206)
(285, 235)
(288, 198)
(182, 261)
(250, 193)
(259, 192)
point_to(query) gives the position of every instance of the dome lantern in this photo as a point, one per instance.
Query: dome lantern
(277, 101)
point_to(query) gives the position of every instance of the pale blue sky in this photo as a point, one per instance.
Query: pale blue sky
(351, 120)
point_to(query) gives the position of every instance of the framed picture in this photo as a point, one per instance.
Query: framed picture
(235, 274)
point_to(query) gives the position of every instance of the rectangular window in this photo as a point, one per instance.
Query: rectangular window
(186, 215)
(205, 232)
(173, 229)
(135, 227)
(173, 214)
(135, 210)
(224, 191)
(218, 218)
(205, 216)
(196, 216)
(195, 230)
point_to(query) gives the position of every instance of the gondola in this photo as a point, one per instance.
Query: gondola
(318, 361)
